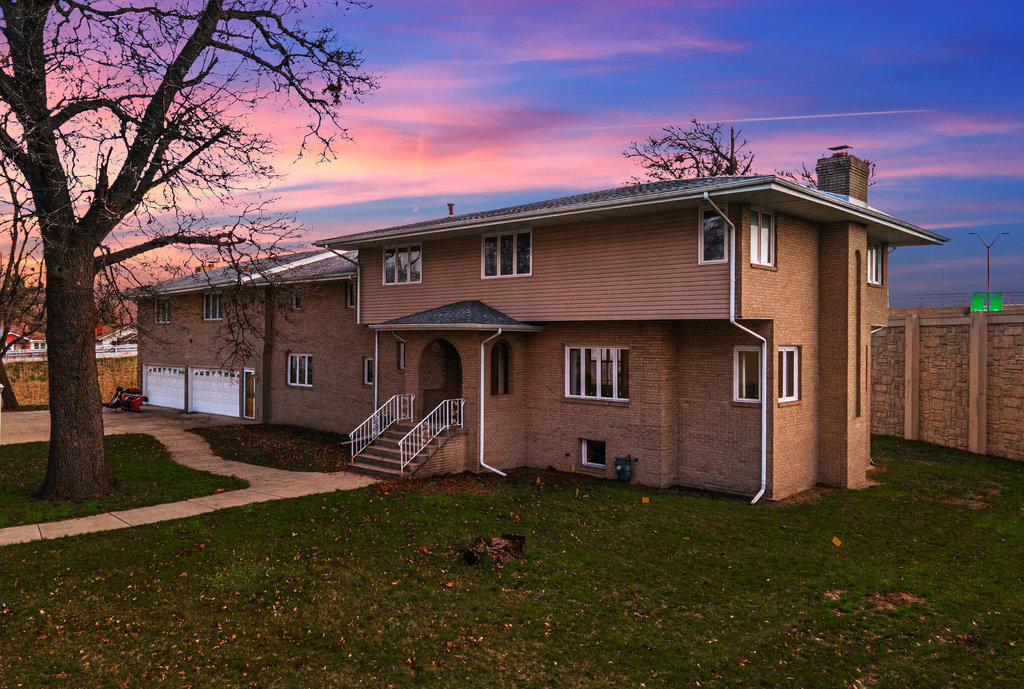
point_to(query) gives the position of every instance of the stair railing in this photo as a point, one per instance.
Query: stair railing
(398, 408)
(448, 413)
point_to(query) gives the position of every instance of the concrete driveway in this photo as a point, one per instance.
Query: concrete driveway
(30, 426)
(189, 449)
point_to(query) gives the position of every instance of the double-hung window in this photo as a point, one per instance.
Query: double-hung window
(212, 310)
(161, 311)
(712, 238)
(789, 374)
(403, 265)
(762, 238)
(300, 370)
(507, 255)
(875, 263)
(600, 373)
(747, 374)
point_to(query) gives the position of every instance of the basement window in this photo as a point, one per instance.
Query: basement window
(789, 374)
(592, 452)
(747, 374)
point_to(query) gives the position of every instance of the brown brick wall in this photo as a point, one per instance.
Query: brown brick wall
(887, 381)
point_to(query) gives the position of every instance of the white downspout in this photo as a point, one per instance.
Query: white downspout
(376, 365)
(483, 372)
(764, 349)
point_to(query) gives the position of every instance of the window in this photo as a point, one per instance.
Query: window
(500, 356)
(161, 311)
(597, 373)
(39, 345)
(592, 452)
(789, 374)
(507, 255)
(402, 265)
(367, 371)
(350, 295)
(762, 238)
(296, 300)
(712, 237)
(300, 370)
(747, 374)
(401, 356)
(211, 307)
(875, 263)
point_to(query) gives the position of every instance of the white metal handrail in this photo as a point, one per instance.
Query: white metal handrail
(448, 413)
(398, 408)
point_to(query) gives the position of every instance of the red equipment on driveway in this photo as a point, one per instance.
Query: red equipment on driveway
(130, 399)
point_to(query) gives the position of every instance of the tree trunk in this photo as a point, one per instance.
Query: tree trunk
(10, 400)
(77, 467)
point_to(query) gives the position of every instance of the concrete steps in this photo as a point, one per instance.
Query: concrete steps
(382, 458)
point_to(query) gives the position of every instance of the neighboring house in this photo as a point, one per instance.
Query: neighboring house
(299, 343)
(108, 336)
(631, 321)
(110, 340)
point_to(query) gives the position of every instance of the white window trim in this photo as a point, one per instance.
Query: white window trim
(246, 371)
(401, 356)
(700, 237)
(350, 289)
(796, 373)
(877, 265)
(207, 310)
(771, 240)
(583, 384)
(736, 373)
(156, 311)
(384, 265)
(515, 263)
(288, 376)
(584, 453)
(367, 370)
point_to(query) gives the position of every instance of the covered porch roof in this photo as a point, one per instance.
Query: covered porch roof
(461, 315)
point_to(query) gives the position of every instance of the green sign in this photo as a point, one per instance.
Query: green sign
(987, 301)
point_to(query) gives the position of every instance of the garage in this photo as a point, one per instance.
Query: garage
(164, 386)
(214, 391)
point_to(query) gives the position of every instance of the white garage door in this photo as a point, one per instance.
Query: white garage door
(214, 391)
(164, 386)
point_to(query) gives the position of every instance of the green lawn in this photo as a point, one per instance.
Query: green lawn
(144, 471)
(280, 447)
(361, 588)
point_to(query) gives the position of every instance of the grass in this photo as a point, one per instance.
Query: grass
(361, 588)
(280, 447)
(144, 471)
(29, 407)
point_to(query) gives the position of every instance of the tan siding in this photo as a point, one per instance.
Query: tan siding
(638, 268)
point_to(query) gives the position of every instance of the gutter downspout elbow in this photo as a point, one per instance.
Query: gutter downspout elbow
(483, 359)
(764, 348)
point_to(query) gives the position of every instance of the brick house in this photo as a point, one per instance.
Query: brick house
(632, 321)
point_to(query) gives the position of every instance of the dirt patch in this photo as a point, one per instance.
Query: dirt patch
(949, 500)
(989, 490)
(887, 602)
(810, 495)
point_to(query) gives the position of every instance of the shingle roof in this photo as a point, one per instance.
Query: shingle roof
(636, 191)
(474, 315)
(311, 268)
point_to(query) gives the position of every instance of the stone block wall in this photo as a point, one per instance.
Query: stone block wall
(968, 374)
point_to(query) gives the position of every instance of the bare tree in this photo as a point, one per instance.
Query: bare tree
(122, 121)
(704, 149)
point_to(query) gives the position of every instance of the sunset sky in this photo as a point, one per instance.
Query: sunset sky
(493, 104)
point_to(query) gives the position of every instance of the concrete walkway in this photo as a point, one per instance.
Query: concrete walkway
(185, 448)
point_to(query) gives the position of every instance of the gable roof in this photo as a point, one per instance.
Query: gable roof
(306, 266)
(461, 315)
(763, 190)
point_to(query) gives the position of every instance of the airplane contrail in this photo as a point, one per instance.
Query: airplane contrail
(760, 119)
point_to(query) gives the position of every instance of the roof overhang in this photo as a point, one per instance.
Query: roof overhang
(523, 328)
(771, 193)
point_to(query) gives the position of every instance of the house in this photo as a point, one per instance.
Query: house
(716, 330)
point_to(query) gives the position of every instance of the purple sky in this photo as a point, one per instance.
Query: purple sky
(493, 104)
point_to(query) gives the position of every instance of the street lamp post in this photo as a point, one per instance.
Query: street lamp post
(988, 251)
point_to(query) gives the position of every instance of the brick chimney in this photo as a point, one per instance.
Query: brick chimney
(845, 174)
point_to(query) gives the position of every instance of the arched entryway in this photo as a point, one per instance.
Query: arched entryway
(440, 374)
